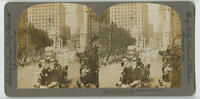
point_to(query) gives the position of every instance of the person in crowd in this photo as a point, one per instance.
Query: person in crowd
(64, 73)
(147, 72)
(49, 74)
(56, 64)
(127, 74)
(140, 64)
(44, 75)
(41, 62)
(138, 72)
(119, 84)
(123, 62)
(136, 84)
(166, 73)
(84, 75)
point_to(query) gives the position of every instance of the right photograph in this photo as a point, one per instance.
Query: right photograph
(140, 47)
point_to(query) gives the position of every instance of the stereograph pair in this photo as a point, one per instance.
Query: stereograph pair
(99, 48)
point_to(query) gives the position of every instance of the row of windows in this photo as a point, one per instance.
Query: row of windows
(45, 6)
(125, 17)
(123, 11)
(126, 5)
(43, 17)
(49, 20)
(44, 23)
(123, 8)
(44, 12)
(45, 28)
(126, 21)
(128, 27)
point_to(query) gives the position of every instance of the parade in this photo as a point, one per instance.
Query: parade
(76, 49)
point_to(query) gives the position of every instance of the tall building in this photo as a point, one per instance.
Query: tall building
(105, 19)
(105, 32)
(50, 18)
(93, 21)
(175, 29)
(79, 18)
(23, 20)
(164, 27)
(23, 35)
(132, 17)
(82, 20)
(175, 47)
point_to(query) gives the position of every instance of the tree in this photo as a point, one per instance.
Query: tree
(121, 38)
(113, 38)
(39, 38)
(92, 57)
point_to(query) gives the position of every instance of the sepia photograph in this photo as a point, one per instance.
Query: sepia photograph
(67, 45)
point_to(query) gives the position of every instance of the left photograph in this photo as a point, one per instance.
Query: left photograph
(57, 43)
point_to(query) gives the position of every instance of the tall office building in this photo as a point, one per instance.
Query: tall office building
(82, 22)
(175, 47)
(164, 27)
(23, 35)
(93, 21)
(105, 19)
(175, 29)
(132, 17)
(105, 32)
(50, 18)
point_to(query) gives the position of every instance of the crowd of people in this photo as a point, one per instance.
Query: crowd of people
(55, 77)
(108, 60)
(134, 72)
(29, 58)
(88, 77)
(167, 67)
(54, 73)
(134, 75)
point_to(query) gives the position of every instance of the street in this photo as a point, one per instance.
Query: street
(29, 75)
(110, 74)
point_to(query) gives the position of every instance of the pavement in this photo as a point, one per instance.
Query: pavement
(29, 75)
(110, 74)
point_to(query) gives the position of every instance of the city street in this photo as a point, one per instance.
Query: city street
(73, 45)
(29, 75)
(110, 74)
